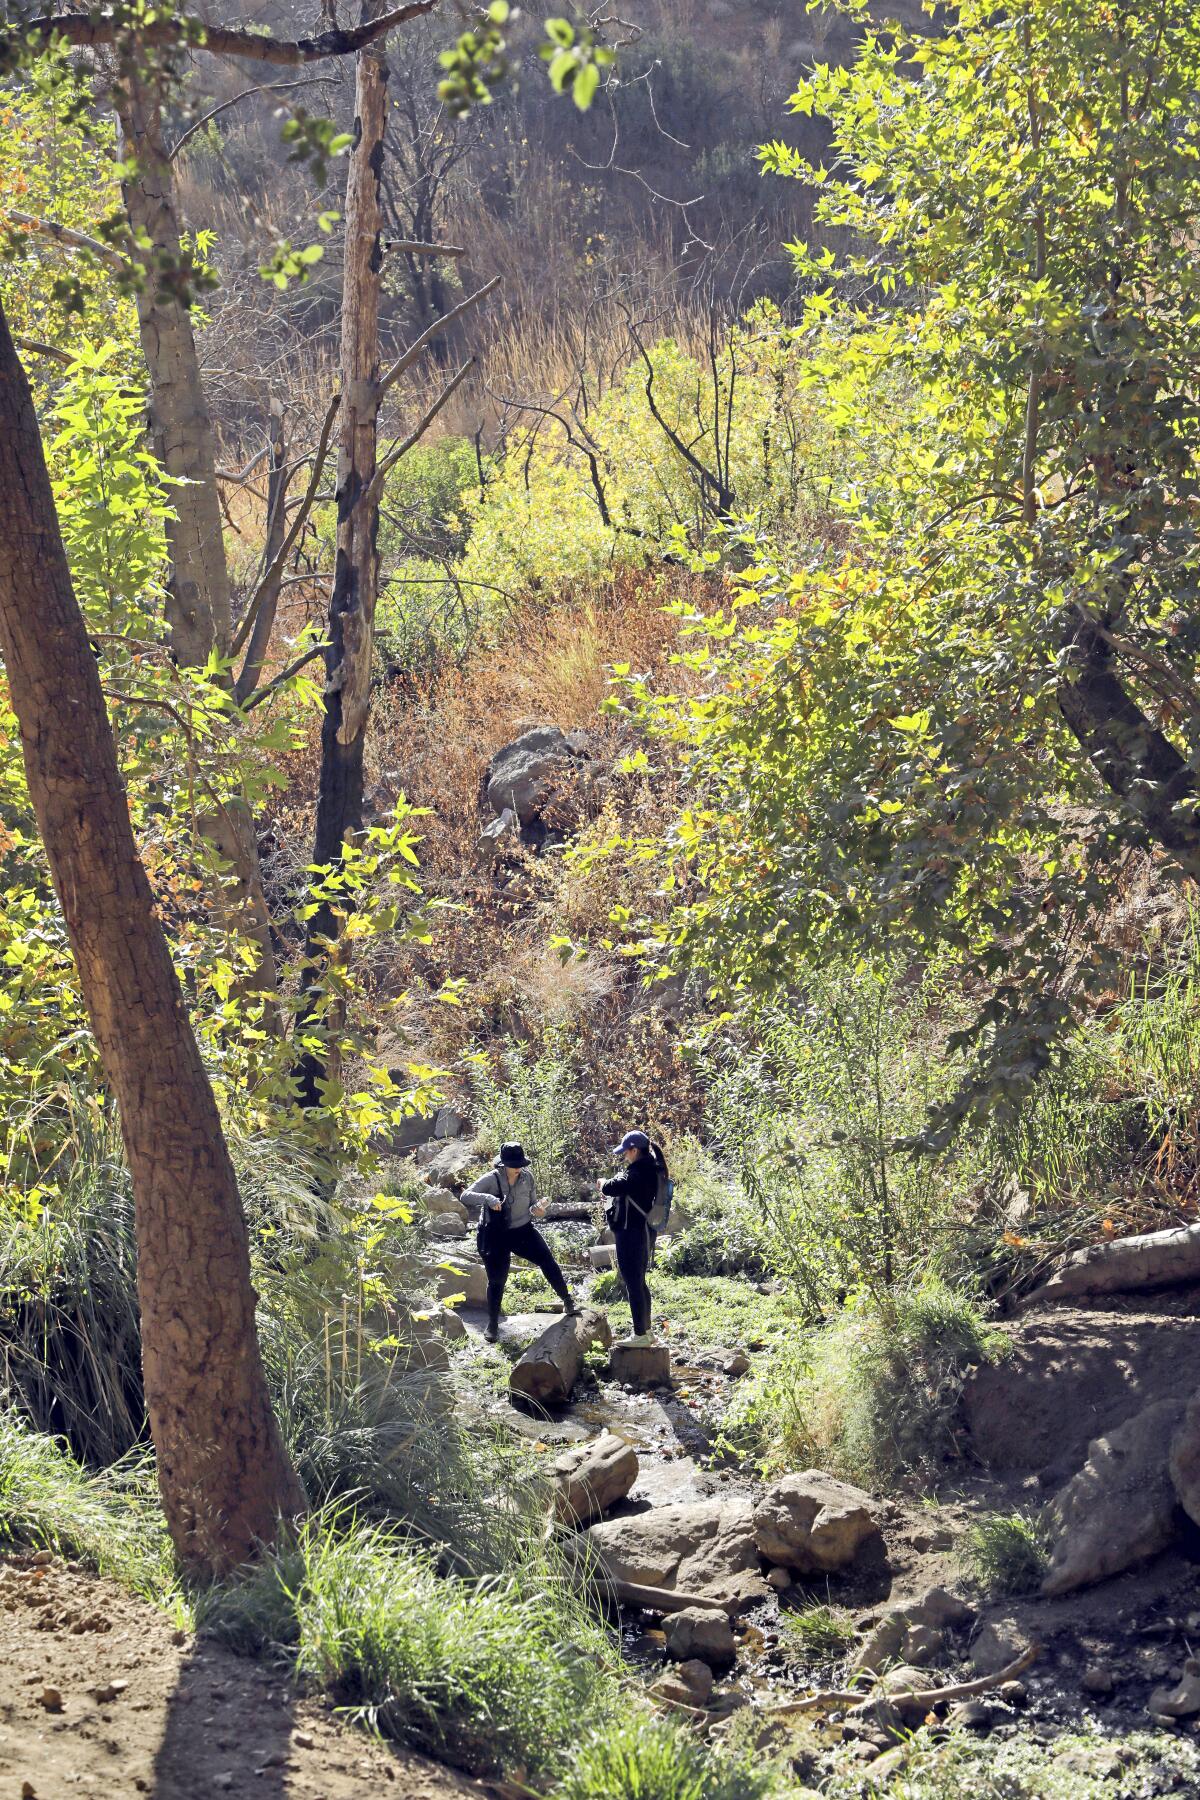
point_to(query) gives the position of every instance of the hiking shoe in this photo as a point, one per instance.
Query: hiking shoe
(637, 1340)
(491, 1332)
(570, 1308)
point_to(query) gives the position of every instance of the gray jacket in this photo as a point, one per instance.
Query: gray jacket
(521, 1195)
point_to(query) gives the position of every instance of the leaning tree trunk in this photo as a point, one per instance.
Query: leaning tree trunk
(223, 1472)
(198, 607)
(356, 570)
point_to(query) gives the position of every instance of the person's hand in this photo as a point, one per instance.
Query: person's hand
(495, 1205)
(540, 1209)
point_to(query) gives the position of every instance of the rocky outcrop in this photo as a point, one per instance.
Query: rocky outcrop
(1121, 1506)
(812, 1522)
(591, 1477)
(451, 1164)
(705, 1547)
(524, 775)
(914, 1633)
(551, 1366)
(441, 1200)
(457, 1274)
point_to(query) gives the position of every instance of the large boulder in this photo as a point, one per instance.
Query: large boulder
(1121, 1506)
(705, 1547)
(812, 1522)
(551, 1366)
(525, 774)
(450, 1164)
(457, 1274)
(591, 1477)
(445, 1225)
(441, 1200)
(1183, 1463)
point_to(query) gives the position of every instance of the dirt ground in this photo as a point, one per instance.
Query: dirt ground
(99, 1694)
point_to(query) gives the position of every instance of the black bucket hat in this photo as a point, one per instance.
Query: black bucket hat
(513, 1156)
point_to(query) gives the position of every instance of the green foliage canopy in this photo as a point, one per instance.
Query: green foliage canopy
(949, 731)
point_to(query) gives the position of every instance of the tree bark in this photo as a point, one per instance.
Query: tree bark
(198, 607)
(223, 1472)
(198, 610)
(356, 570)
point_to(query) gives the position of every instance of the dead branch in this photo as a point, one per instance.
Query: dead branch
(409, 356)
(34, 347)
(93, 30)
(262, 87)
(934, 1696)
(62, 234)
(417, 247)
(284, 676)
(294, 529)
(417, 433)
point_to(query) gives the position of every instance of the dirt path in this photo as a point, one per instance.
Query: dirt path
(145, 1709)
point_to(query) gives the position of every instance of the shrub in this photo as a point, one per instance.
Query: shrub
(873, 1396)
(1006, 1553)
(813, 1102)
(657, 1759)
(533, 1099)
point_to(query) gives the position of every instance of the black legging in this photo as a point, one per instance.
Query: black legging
(498, 1249)
(633, 1245)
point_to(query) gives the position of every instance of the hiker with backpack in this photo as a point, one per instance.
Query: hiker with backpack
(508, 1207)
(637, 1207)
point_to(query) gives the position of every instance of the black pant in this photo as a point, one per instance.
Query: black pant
(498, 1247)
(633, 1245)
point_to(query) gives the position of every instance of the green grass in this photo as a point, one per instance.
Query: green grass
(707, 1310)
(656, 1759)
(503, 1672)
(1006, 1553)
(111, 1522)
(819, 1632)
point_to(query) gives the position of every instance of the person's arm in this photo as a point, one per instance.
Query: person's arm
(615, 1185)
(487, 1196)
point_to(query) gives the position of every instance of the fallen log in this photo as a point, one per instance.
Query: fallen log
(551, 1366)
(1128, 1265)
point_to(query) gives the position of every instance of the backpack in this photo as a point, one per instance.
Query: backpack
(660, 1213)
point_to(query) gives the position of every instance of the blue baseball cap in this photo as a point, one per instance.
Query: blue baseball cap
(633, 1140)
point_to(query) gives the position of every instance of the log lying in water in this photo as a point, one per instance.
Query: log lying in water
(550, 1367)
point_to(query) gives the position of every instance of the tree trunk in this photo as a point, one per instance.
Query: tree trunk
(223, 1472)
(1133, 758)
(356, 570)
(197, 608)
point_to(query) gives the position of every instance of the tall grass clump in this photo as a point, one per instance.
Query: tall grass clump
(502, 1672)
(1006, 1553)
(70, 1336)
(111, 1521)
(872, 1396)
(534, 1099)
(644, 1758)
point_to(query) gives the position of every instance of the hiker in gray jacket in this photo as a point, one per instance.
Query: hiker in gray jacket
(509, 1205)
